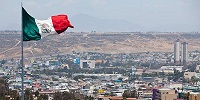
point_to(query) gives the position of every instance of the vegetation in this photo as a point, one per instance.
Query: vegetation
(186, 96)
(43, 97)
(6, 93)
(28, 95)
(130, 94)
(64, 96)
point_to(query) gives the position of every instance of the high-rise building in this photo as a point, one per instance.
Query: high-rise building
(184, 53)
(177, 52)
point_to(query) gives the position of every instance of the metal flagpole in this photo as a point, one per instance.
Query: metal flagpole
(22, 59)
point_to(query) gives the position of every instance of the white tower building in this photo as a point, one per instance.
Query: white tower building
(177, 52)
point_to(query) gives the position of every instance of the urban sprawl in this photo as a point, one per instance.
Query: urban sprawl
(172, 75)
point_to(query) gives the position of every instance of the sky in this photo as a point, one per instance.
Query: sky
(155, 15)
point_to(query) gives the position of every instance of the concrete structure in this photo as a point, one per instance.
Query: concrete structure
(194, 96)
(166, 71)
(139, 71)
(198, 68)
(177, 52)
(188, 75)
(138, 84)
(197, 75)
(184, 53)
(174, 85)
(164, 94)
(87, 63)
(179, 68)
(114, 98)
(133, 70)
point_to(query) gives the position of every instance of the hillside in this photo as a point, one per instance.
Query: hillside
(95, 42)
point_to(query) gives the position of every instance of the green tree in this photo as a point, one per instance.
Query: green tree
(43, 97)
(186, 96)
(37, 93)
(2, 87)
(64, 96)
(14, 94)
(57, 96)
(89, 98)
(28, 95)
(130, 94)
(3, 61)
(194, 79)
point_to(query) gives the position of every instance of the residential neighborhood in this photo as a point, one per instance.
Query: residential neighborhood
(141, 76)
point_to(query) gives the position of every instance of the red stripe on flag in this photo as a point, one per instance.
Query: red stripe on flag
(61, 23)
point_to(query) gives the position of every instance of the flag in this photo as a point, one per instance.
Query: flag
(34, 29)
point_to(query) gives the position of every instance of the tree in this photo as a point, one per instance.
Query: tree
(14, 94)
(3, 61)
(194, 79)
(130, 94)
(43, 97)
(89, 98)
(2, 87)
(37, 93)
(68, 96)
(57, 96)
(64, 96)
(6, 93)
(28, 94)
(186, 96)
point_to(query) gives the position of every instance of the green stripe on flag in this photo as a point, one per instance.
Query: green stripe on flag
(30, 29)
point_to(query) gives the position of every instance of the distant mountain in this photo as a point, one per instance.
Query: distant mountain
(84, 22)
(11, 26)
(176, 28)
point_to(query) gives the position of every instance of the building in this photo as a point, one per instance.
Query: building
(194, 96)
(197, 75)
(177, 52)
(174, 85)
(184, 53)
(113, 98)
(164, 94)
(133, 70)
(179, 68)
(188, 75)
(87, 63)
(139, 72)
(101, 76)
(198, 68)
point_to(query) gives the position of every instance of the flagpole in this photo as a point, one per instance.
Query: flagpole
(22, 59)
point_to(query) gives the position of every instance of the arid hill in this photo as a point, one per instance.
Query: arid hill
(107, 42)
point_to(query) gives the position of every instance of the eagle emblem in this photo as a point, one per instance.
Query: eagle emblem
(45, 28)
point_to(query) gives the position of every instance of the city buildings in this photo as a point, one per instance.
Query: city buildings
(106, 76)
(184, 53)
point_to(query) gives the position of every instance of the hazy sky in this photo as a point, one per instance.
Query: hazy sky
(185, 14)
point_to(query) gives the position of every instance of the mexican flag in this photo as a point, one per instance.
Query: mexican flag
(34, 29)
